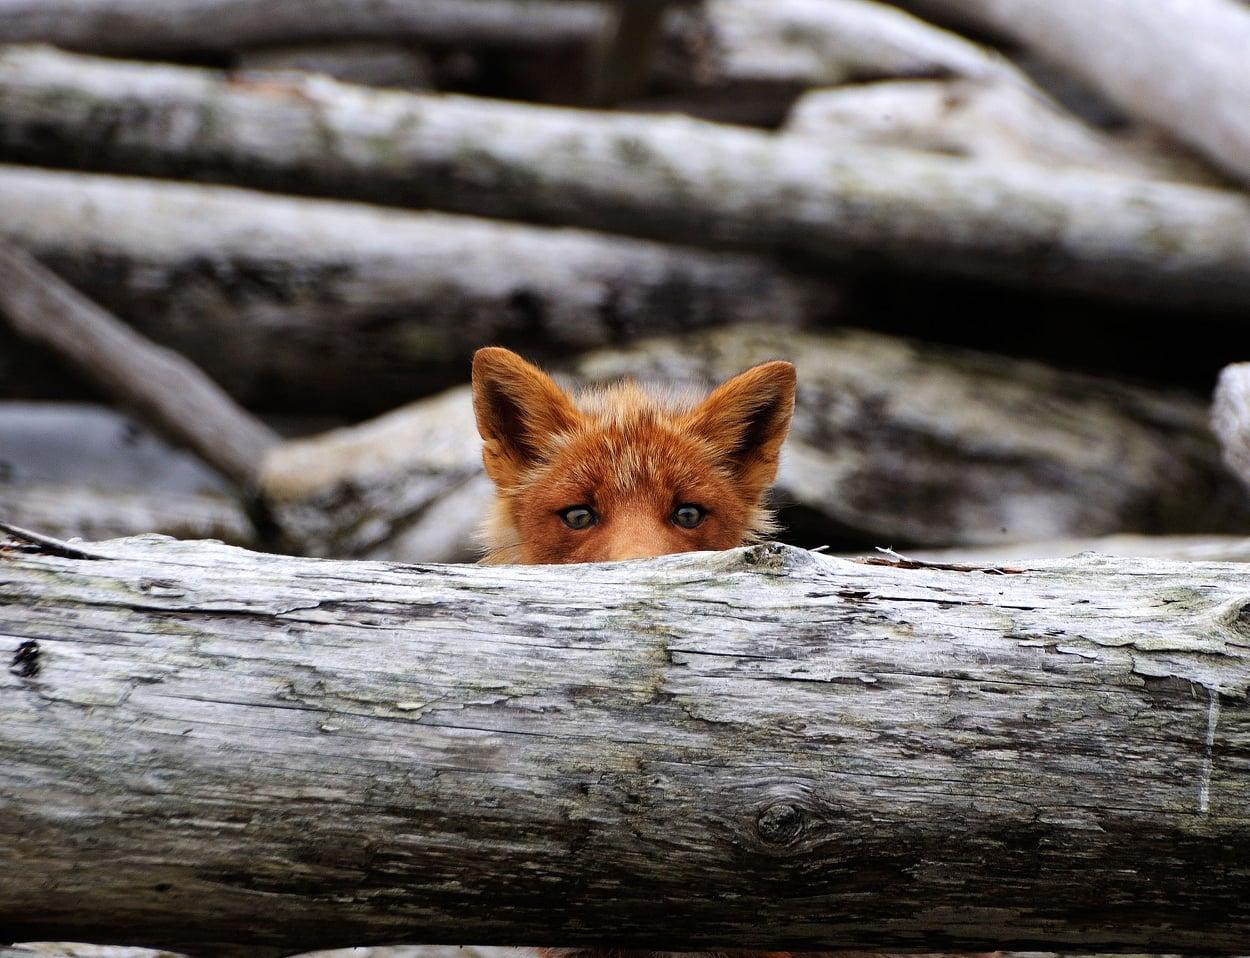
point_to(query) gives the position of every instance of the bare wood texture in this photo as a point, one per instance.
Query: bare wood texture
(662, 176)
(991, 121)
(182, 26)
(1231, 418)
(170, 392)
(1178, 63)
(312, 304)
(892, 443)
(229, 753)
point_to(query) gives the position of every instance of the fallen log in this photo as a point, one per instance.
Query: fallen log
(84, 512)
(311, 305)
(1178, 63)
(169, 392)
(996, 122)
(229, 753)
(189, 26)
(892, 443)
(669, 177)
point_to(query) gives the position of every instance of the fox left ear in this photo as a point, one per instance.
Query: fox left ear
(518, 408)
(746, 420)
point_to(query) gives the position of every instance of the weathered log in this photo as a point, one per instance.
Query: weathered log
(892, 443)
(230, 753)
(1231, 418)
(185, 26)
(1178, 63)
(671, 177)
(316, 305)
(170, 393)
(84, 512)
(992, 121)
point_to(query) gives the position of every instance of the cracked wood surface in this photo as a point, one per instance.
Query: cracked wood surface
(229, 753)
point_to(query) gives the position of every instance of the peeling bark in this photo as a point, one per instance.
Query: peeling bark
(892, 443)
(314, 305)
(230, 753)
(668, 177)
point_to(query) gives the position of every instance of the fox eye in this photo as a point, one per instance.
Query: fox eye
(688, 515)
(579, 517)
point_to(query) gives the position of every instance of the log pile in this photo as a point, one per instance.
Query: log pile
(247, 250)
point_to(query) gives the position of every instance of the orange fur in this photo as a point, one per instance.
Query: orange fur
(630, 457)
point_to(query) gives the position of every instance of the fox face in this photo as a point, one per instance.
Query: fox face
(617, 473)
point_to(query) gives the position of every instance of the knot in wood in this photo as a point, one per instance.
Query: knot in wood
(780, 824)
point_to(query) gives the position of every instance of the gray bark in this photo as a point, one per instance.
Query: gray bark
(1231, 418)
(892, 443)
(992, 121)
(1178, 63)
(670, 177)
(228, 753)
(311, 304)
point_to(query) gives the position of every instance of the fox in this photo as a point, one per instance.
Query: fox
(621, 472)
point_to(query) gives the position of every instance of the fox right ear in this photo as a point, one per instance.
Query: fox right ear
(518, 408)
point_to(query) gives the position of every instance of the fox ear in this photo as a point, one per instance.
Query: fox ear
(518, 408)
(746, 419)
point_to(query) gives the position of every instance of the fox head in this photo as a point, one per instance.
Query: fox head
(619, 474)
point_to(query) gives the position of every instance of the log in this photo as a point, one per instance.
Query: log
(182, 26)
(1230, 418)
(312, 305)
(675, 178)
(85, 512)
(893, 443)
(997, 122)
(1178, 63)
(170, 393)
(230, 753)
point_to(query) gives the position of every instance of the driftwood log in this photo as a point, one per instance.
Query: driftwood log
(311, 304)
(668, 177)
(997, 122)
(893, 443)
(229, 753)
(1178, 63)
(191, 26)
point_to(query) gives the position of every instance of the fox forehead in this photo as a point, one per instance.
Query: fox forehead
(645, 450)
